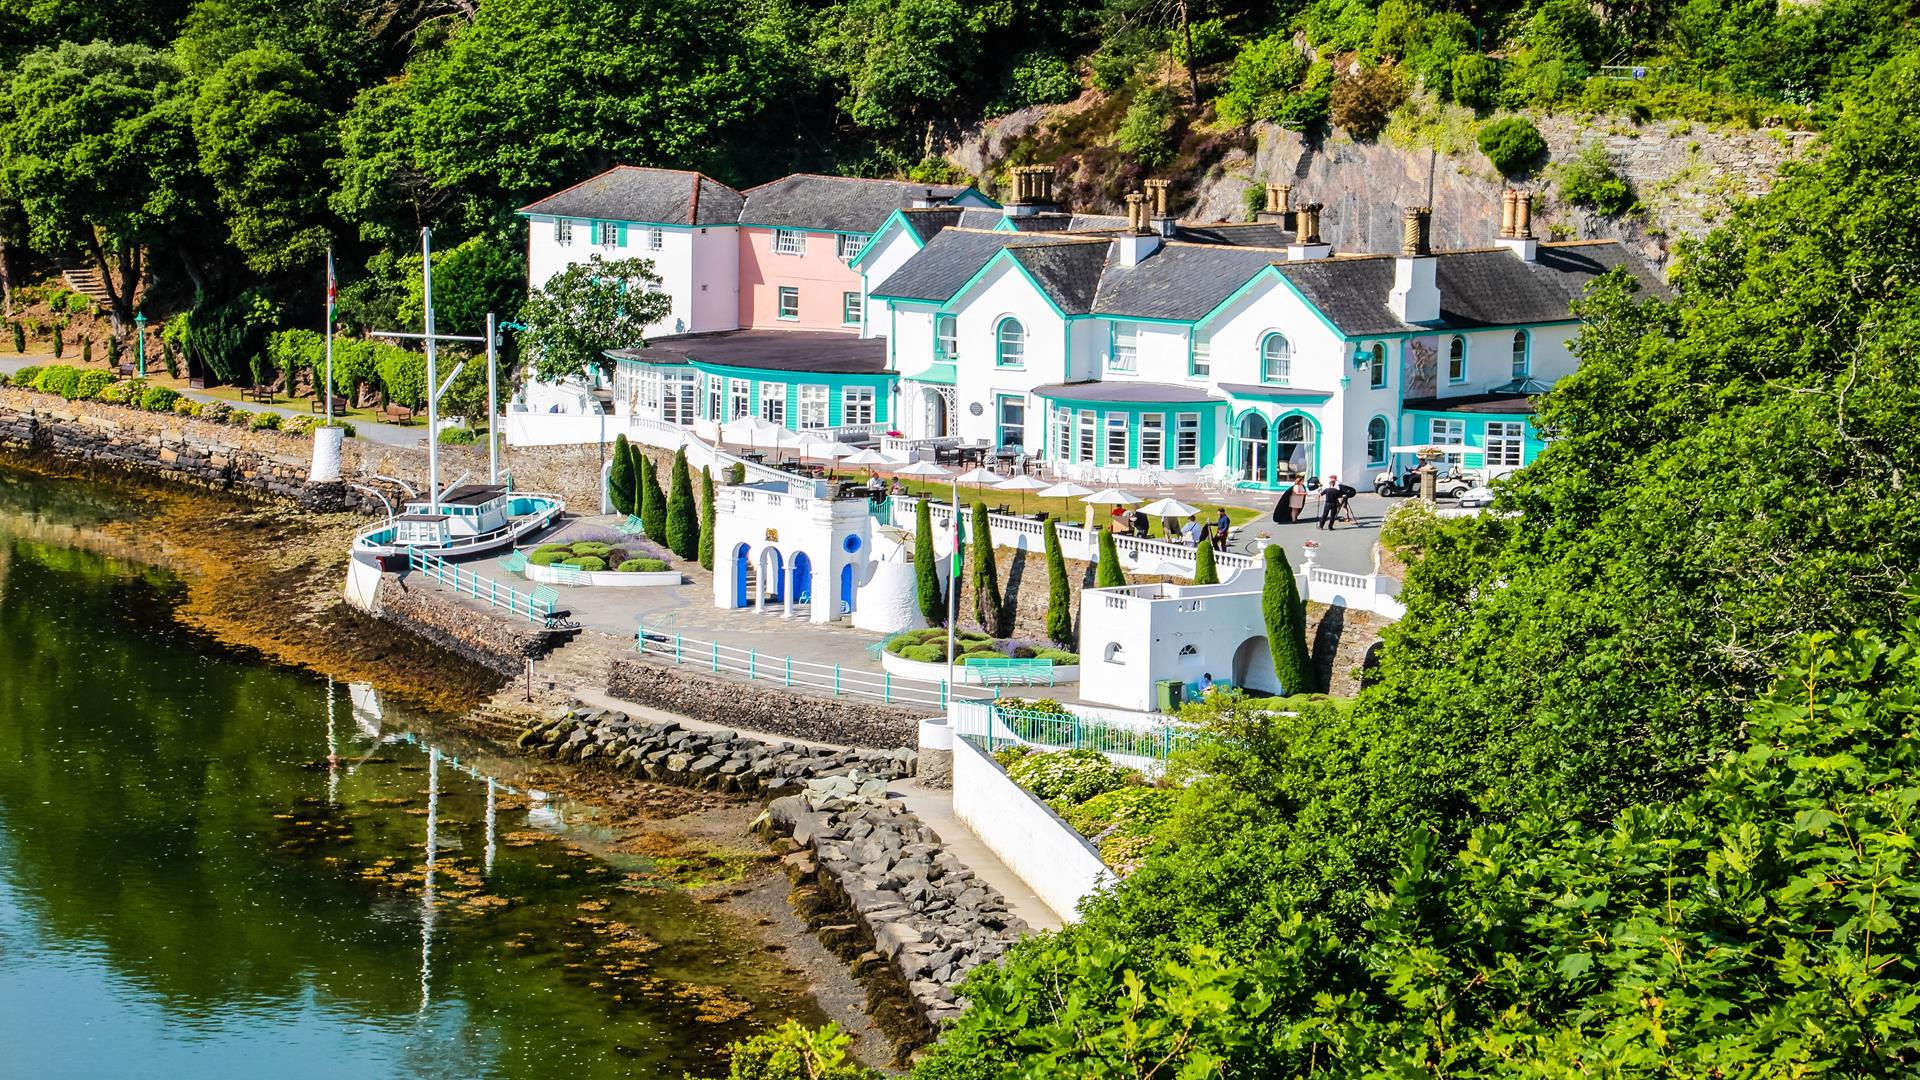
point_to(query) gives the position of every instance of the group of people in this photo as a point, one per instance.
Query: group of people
(1218, 530)
(1333, 495)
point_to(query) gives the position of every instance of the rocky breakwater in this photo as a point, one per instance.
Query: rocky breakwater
(923, 910)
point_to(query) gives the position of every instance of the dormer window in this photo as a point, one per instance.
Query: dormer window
(946, 332)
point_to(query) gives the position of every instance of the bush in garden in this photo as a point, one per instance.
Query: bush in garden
(1007, 755)
(19, 337)
(218, 412)
(126, 392)
(590, 547)
(113, 351)
(683, 529)
(1059, 594)
(1512, 143)
(588, 563)
(1476, 79)
(1107, 575)
(1286, 619)
(1589, 180)
(86, 350)
(544, 557)
(1146, 132)
(926, 568)
(457, 436)
(556, 549)
(1042, 706)
(986, 575)
(979, 654)
(24, 378)
(620, 480)
(1204, 571)
(263, 421)
(930, 653)
(186, 406)
(1069, 777)
(653, 504)
(706, 517)
(159, 398)
(59, 341)
(1060, 657)
(299, 425)
(736, 473)
(55, 379)
(91, 384)
(1123, 823)
(641, 566)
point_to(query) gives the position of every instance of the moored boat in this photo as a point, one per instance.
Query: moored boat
(468, 519)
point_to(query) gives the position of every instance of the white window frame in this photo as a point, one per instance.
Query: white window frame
(1386, 437)
(780, 295)
(563, 232)
(1377, 366)
(1457, 359)
(679, 397)
(1507, 448)
(1153, 440)
(856, 406)
(1200, 359)
(813, 405)
(1186, 441)
(847, 247)
(789, 242)
(1445, 430)
(1116, 424)
(1124, 355)
(1062, 434)
(853, 309)
(656, 239)
(739, 398)
(1522, 354)
(716, 397)
(1284, 376)
(1086, 445)
(773, 403)
(608, 234)
(1000, 425)
(946, 336)
(1002, 356)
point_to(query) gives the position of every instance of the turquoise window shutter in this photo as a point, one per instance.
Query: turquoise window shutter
(623, 234)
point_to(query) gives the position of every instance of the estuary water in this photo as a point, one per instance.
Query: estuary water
(211, 866)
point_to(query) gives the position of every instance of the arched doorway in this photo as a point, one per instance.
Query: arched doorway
(1253, 666)
(802, 578)
(773, 573)
(846, 590)
(937, 411)
(742, 578)
(1294, 437)
(1251, 435)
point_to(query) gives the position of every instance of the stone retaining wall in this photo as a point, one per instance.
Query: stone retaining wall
(918, 907)
(779, 712)
(440, 620)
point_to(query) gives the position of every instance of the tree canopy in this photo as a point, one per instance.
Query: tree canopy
(585, 310)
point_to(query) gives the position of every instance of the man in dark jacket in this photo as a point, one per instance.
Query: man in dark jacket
(1330, 503)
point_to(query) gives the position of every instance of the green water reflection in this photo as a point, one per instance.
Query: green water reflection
(190, 887)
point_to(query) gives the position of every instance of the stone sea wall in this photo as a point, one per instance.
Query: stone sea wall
(773, 711)
(438, 619)
(915, 907)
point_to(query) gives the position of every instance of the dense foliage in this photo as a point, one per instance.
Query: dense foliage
(1059, 594)
(1284, 615)
(683, 527)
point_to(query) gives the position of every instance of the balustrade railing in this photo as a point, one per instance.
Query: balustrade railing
(537, 605)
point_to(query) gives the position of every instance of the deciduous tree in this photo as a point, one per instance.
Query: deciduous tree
(587, 309)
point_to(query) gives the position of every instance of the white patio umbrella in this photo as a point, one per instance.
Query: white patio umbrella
(1065, 489)
(924, 470)
(1021, 483)
(1105, 497)
(749, 430)
(979, 476)
(870, 457)
(1166, 508)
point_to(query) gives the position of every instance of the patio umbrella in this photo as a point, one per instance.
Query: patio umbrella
(924, 470)
(749, 430)
(870, 457)
(1065, 489)
(1105, 497)
(1166, 508)
(1021, 483)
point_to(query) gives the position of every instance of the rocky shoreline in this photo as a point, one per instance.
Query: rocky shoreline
(915, 907)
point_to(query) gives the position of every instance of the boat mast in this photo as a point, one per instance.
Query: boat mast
(433, 372)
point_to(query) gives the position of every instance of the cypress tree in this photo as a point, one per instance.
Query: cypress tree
(620, 485)
(653, 504)
(706, 517)
(86, 350)
(1286, 619)
(59, 341)
(1107, 575)
(1204, 572)
(19, 337)
(986, 575)
(1059, 597)
(926, 568)
(683, 529)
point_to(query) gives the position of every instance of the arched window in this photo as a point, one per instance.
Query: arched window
(1188, 650)
(1293, 445)
(1457, 360)
(1377, 441)
(1276, 360)
(1253, 449)
(1010, 344)
(1377, 366)
(1114, 654)
(1519, 354)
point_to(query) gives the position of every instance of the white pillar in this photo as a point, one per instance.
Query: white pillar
(792, 576)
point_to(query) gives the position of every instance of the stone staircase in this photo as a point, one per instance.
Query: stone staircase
(86, 281)
(582, 663)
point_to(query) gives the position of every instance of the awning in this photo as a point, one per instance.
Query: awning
(941, 374)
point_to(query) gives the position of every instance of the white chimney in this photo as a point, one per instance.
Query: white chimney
(1306, 235)
(1516, 225)
(1416, 291)
(1140, 240)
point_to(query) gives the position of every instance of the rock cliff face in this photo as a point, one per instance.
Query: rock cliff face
(1686, 175)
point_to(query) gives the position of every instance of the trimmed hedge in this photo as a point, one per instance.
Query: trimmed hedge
(544, 557)
(588, 563)
(642, 566)
(590, 547)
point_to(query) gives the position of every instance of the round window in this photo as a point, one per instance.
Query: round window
(850, 545)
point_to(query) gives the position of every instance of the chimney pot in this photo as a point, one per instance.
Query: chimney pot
(1507, 211)
(1137, 211)
(1414, 228)
(1523, 215)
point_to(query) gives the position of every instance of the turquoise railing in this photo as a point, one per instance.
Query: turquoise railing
(537, 605)
(754, 665)
(996, 724)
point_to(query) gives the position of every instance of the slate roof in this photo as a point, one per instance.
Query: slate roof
(822, 352)
(835, 203)
(1180, 281)
(1068, 271)
(1053, 221)
(1127, 390)
(927, 221)
(951, 257)
(660, 196)
(1248, 234)
(1478, 289)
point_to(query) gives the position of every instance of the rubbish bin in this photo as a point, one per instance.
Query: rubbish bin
(1168, 693)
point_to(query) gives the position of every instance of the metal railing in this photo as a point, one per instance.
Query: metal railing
(1003, 723)
(756, 666)
(537, 605)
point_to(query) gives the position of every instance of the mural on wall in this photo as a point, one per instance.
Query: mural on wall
(1423, 372)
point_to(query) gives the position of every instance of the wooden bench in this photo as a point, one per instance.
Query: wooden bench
(319, 405)
(1012, 672)
(399, 414)
(262, 395)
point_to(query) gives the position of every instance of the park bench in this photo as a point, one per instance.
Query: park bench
(630, 527)
(319, 405)
(567, 575)
(1011, 672)
(262, 395)
(399, 414)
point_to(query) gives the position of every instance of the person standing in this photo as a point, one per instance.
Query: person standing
(1283, 507)
(1195, 532)
(1222, 530)
(1330, 503)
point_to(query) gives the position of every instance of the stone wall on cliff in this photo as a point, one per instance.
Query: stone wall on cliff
(769, 710)
(441, 620)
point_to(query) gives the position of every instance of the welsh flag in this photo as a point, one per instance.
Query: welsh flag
(333, 287)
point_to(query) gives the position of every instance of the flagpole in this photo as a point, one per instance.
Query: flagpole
(329, 335)
(953, 584)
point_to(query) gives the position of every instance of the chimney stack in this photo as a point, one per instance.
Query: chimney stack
(1516, 225)
(1140, 240)
(1416, 289)
(1279, 208)
(1160, 218)
(1032, 190)
(1306, 234)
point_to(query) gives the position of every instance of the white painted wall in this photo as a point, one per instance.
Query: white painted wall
(698, 267)
(1004, 292)
(1056, 862)
(884, 254)
(1153, 625)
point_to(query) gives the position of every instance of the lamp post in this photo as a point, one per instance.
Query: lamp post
(140, 341)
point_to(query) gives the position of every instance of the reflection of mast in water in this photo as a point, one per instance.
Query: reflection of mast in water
(366, 708)
(426, 896)
(490, 819)
(333, 752)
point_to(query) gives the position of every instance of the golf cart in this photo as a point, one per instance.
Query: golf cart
(1451, 481)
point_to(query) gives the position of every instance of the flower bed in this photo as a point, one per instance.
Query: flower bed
(1112, 806)
(922, 654)
(602, 564)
